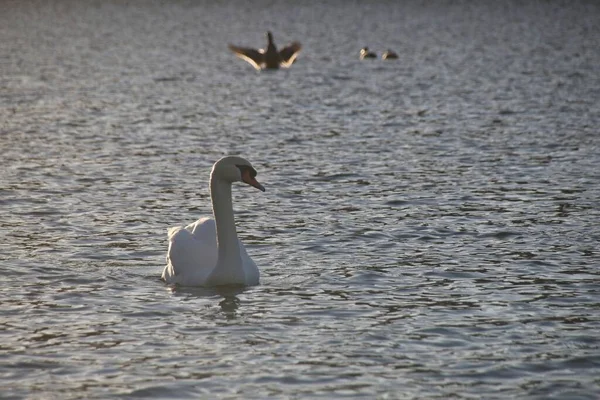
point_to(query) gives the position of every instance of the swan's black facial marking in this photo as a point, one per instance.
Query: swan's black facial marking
(249, 170)
(249, 176)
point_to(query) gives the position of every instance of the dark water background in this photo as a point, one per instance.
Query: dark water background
(430, 227)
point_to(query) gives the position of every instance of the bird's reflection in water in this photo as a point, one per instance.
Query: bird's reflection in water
(229, 306)
(229, 303)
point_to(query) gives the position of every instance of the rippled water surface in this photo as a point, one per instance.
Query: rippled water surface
(430, 227)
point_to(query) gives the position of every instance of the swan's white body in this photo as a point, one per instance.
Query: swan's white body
(208, 251)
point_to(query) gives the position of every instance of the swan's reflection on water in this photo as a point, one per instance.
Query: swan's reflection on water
(229, 303)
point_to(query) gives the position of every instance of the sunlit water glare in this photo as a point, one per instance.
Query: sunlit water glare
(430, 226)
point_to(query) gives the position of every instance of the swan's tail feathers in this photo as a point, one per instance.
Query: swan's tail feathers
(169, 273)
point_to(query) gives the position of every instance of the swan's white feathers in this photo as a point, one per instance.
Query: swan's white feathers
(197, 256)
(204, 229)
(192, 253)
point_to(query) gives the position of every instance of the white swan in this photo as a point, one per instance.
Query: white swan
(208, 252)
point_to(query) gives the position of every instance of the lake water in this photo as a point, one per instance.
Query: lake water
(430, 225)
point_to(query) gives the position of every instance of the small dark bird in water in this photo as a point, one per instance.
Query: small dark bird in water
(365, 53)
(389, 55)
(269, 58)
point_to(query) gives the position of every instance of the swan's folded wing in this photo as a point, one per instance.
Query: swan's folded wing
(255, 57)
(189, 260)
(204, 229)
(289, 53)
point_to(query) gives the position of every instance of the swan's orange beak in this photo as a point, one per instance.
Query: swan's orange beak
(247, 178)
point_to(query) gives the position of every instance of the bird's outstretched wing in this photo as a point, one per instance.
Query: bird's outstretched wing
(289, 53)
(255, 57)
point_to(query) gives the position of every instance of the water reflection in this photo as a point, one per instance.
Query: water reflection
(229, 300)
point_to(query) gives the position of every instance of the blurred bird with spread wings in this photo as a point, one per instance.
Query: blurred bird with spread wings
(269, 58)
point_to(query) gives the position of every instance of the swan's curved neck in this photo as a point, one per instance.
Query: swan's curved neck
(227, 239)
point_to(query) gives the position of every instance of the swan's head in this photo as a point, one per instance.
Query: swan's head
(270, 37)
(236, 169)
